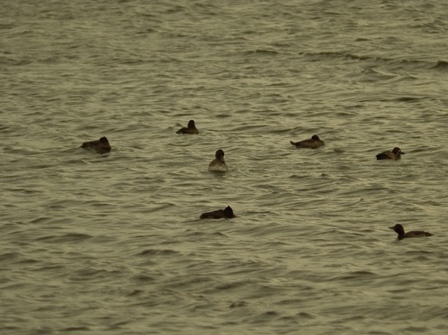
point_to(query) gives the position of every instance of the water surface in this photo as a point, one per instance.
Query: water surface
(113, 244)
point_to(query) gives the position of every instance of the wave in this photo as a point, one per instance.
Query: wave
(440, 64)
(262, 52)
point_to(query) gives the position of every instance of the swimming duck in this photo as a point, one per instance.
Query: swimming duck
(218, 164)
(394, 154)
(226, 213)
(398, 228)
(101, 146)
(190, 129)
(313, 143)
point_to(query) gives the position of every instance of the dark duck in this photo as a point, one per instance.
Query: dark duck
(189, 129)
(218, 164)
(101, 146)
(226, 213)
(398, 228)
(312, 143)
(394, 154)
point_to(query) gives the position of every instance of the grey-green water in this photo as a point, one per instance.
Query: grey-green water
(112, 244)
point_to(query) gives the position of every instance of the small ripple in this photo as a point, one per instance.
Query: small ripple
(158, 252)
(70, 237)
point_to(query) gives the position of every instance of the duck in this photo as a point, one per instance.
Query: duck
(312, 143)
(398, 228)
(394, 154)
(101, 146)
(226, 213)
(218, 164)
(190, 129)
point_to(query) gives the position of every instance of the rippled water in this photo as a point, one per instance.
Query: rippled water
(113, 244)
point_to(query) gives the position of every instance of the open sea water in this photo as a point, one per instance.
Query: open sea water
(113, 244)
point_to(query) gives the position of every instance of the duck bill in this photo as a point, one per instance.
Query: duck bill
(391, 228)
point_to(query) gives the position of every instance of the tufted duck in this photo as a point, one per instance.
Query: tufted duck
(313, 143)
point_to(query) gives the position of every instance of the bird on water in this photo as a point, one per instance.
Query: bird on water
(189, 129)
(398, 228)
(312, 143)
(395, 153)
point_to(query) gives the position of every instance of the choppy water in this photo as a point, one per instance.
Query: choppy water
(112, 244)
